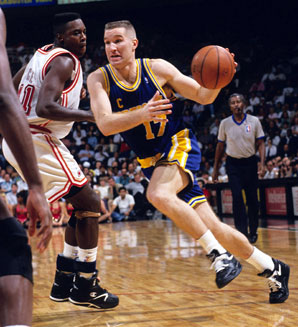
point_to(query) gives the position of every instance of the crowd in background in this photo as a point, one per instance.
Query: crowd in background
(110, 165)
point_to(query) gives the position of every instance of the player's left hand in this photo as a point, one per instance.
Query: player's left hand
(83, 93)
(233, 55)
(38, 210)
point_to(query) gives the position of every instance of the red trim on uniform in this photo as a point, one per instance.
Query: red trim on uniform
(40, 128)
(44, 49)
(44, 69)
(74, 82)
(60, 194)
(63, 164)
(46, 123)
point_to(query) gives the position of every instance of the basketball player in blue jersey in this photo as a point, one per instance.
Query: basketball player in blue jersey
(135, 98)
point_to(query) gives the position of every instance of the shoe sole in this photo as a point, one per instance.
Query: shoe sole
(58, 299)
(90, 305)
(283, 299)
(239, 269)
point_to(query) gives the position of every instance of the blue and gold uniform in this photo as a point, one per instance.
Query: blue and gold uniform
(155, 143)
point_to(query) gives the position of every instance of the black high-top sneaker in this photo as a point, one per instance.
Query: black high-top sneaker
(87, 292)
(278, 280)
(61, 287)
(226, 267)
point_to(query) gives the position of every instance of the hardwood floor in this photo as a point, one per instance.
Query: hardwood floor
(162, 278)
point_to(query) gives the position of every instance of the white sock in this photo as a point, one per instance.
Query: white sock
(260, 260)
(87, 255)
(209, 243)
(70, 251)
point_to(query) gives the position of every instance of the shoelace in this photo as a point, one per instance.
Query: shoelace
(218, 264)
(274, 284)
(98, 281)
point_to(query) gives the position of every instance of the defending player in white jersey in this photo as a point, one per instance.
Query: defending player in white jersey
(49, 89)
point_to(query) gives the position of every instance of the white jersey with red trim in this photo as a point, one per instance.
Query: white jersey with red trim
(31, 83)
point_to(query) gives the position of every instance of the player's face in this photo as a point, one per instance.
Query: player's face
(120, 46)
(74, 38)
(236, 105)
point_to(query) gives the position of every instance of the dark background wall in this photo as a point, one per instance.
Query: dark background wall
(264, 31)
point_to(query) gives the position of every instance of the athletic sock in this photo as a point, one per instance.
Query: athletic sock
(87, 255)
(260, 260)
(209, 243)
(70, 251)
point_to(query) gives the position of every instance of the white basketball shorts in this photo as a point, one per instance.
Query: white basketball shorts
(59, 171)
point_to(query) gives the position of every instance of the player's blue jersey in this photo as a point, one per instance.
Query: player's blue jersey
(147, 139)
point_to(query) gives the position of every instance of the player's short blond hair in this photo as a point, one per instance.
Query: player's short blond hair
(122, 23)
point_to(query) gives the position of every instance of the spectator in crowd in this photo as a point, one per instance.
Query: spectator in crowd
(22, 185)
(131, 170)
(100, 154)
(206, 137)
(124, 177)
(206, 192)
(92, 139)
(86, 154)
(270, 149)
(254, 100)
(11, 196)
(270, 172)
(113, 158)
(103, 189)
(137, 187)
(20, 210)
(286, 168)
(113, 188)
(214, 127)
(112, 147)
(124, 203)
(6, 185)
(58, 212)
(79, 134)
(294, 126)
(105, 215)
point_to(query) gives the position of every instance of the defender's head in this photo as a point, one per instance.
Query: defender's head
(70, 32)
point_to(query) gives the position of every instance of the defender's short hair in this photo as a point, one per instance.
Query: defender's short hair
(60, 20)
(121, 23)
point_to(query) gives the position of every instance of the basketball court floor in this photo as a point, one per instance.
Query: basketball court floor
(163, 279)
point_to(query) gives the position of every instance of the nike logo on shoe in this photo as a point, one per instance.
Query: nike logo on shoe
(94, 297)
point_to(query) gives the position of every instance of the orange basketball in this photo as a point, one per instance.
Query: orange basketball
(213, 67)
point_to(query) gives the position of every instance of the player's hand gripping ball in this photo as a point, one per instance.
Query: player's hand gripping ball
(213, 67)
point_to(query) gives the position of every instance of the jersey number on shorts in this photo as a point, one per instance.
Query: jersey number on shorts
(162, 127)
(27, 97)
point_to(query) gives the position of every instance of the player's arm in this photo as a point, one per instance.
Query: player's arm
(14, 128)
(166, 73)
(111, 123)
(58, 75)
(219, 152)
(17, 77)
(261, 148)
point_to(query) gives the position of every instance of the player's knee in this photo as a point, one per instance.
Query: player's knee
(157, 197)
(14, 249)
(89, 201)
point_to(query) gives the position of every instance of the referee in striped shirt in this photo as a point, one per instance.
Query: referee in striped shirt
(244, 136)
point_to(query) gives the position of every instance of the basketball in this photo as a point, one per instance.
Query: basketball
(213, 67)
